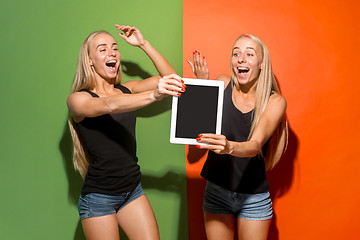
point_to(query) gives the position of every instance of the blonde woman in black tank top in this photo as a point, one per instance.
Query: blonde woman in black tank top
(254, 136)
(102, 124)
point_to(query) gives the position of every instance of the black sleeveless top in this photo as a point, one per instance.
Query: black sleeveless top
(242, 175)
(110, 142)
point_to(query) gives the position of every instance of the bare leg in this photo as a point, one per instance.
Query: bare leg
(253, 229)
(219, 226)
(101, 228)
(137, 219)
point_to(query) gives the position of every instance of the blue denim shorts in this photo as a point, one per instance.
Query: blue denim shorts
(97, 205)
(218, 200)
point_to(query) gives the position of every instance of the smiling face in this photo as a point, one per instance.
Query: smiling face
(104, 56)
(246, 60)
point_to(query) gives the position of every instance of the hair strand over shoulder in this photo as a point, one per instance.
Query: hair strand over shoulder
(266, 85)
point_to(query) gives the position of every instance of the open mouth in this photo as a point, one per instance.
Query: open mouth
(243, 70)
(111, 63)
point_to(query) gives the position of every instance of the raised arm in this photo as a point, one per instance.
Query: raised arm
(265, 128)
(133, 36)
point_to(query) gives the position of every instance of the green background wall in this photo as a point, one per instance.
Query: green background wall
(40, 41)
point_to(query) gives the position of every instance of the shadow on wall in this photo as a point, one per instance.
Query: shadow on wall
(132, 69)
(281, 176)
(196, 188)
(169, 182)
(75, 181)
(280, 180)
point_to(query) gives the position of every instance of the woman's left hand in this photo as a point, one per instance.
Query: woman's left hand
(171, 85)
(131, 35)
(215, 142)
(199, 67)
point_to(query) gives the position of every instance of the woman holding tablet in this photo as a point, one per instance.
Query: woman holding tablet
(254, 136)
(102, 124)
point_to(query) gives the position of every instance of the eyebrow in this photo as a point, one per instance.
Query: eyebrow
(246, 48)
(104, 44)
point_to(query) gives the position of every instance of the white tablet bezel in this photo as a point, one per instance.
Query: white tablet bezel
(198, 82)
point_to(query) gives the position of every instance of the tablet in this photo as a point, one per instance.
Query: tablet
(197, 110)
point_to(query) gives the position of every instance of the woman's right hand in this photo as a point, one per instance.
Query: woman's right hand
(131, 35)
(171, 85)
(199, 67)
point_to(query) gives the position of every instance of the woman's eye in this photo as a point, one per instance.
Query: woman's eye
(250, 55)
(102, 50)
(236, 54)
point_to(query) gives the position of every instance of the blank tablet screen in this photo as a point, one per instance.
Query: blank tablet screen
(197, 110)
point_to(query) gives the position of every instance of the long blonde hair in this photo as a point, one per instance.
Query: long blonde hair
(84, 79)
(265, 86)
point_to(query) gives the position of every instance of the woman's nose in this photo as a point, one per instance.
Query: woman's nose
(241, 58)
(112, 53)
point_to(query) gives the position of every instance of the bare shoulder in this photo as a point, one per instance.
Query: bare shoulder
(224, 78)
(277, 101)
(77, 103)
(77, 97)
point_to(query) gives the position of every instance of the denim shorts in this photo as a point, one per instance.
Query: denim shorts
(97, 205)
(218, 200)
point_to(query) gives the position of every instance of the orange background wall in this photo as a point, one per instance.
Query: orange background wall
(314, 47)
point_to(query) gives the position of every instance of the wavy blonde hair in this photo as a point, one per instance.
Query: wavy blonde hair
(84, 79)
(265, 86)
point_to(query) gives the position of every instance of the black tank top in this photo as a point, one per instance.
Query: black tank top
(242, 175)
(110, 142)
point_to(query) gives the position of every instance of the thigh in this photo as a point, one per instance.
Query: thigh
(254, 217)
(101, 228)
(253, 229)
(219, 226)
(137, 219)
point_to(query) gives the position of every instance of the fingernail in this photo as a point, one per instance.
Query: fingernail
(199, 53)
(183, 89)
(200, 135)
(198, 139)
(179, 94)
(184, 86)
(198, 146)
(182, 81)
(203, 57)
(194, 53)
